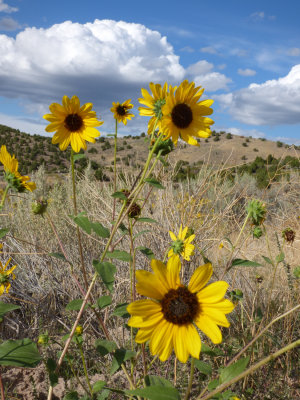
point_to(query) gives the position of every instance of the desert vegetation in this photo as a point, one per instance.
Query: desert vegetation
(82, 240)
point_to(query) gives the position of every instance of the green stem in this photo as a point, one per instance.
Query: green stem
(77, 227)
(115, 168)
(249, 371)
(84, 368)
(4, 196)
(189, 388)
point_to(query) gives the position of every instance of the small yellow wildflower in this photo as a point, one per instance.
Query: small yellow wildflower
(182, 245)
(4, 277)
(221, 245)
(78, 330)
(121, 111)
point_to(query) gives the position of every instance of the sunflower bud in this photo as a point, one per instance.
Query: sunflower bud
(289, 235)
(236, 296)
(257, 232)
(164, 146)
(39, 207)
(257, 211)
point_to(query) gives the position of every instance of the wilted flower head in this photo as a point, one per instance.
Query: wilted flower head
(289, 235)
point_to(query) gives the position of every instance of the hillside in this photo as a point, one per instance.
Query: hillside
(220, 149)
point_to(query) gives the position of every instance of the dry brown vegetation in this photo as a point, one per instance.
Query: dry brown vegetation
(215, 209)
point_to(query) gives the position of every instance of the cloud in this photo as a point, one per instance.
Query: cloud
(101, 62)
(6, 8)
(260, 16)
(202, 73)
(188, 49)
(294, 52)
(221, 66)
(246, 72)
(9, 24)
(246, 132)
(209, 50)
(274, 102)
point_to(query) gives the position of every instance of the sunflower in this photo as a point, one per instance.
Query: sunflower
(4, 277)
(72, 123)
(182, 245)
(183, 114)
(168, 321)
(153, 104)
(12, 175)
(120, 111)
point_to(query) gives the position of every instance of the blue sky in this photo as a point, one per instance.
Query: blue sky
(246, 54)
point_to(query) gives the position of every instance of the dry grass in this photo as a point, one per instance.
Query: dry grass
(215, 209)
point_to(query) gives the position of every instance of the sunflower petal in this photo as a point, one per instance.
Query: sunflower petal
(200, 277)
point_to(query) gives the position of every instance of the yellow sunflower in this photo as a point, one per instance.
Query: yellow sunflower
(182, 245)
(170, 319)
(184, 114)
(12, 175)
(4, 277)
(120, 111)
(153, 104)
(72, 123)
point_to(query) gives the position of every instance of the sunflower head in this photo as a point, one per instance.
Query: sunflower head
(73, 124)
(153, 103)
(121, 111)
(181, 244)
(169, 319)
(12, 176)
(184, 115)
(5, 276)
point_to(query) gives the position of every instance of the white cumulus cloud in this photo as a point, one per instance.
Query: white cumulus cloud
(6, 8)
(246, 72)
(203, 75)
(274, 102)
(9, 24)
(101, 62)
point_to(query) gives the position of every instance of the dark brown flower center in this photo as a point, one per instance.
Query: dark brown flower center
(180, 306)
(73, 122)
(121, 110)
(182, 115)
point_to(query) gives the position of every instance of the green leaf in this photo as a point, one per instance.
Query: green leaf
(104, 301)
(229, 241)
(147, 252)
(267, 260)
(123, 229)
(121, 310)
(58, 255)
(156, 393)
(153, 380)
(107, 272)
(237, 262)
(203, 367)
(83, 222)
(154, 182)
(119, 255)
(213, 384)
(105, 346)
(78, 156)
(234, 370)
(103, 395)
(75, 305)
(6, 307)
(98, 386)
(119, 195)
(100, 230)
(145, 219)
(280, 257)
(120, 356)
(71, 395)
(19, 353)
(211, 352)
(3, 232)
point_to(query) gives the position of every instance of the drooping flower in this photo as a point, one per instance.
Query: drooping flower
(5, 278)
(72, 123)
(182, 244)
(121, 111)
(154, 103)
(184, 115)
(168, 320)
(12, 175)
